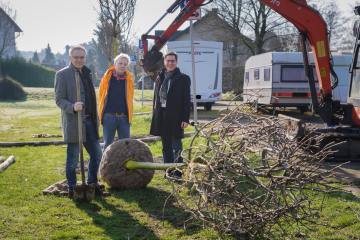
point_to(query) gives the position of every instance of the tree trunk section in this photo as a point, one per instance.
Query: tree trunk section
(7, 163)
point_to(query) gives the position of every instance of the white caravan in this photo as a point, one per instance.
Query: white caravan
(278, 79)
(208, 68)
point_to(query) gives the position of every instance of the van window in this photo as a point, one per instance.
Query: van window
(295, 73)
(256, 74)
(267, 74)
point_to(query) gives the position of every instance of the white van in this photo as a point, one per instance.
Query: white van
(208, 68)
(278, 79)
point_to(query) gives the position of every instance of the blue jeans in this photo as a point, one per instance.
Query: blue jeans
(113, 123)
(172, 148)
(92, 146)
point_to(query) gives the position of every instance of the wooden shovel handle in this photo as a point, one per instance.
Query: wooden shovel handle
(80, 128)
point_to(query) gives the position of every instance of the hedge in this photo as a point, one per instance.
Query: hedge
(11, 90)
(27, 73)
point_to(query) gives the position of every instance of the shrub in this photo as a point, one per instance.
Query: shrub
(28, 74)
(11, 89)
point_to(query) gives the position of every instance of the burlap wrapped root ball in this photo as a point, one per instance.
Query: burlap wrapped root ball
(113, 171)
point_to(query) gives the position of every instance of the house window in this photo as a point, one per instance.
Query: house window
(267, 74)
(257, 74)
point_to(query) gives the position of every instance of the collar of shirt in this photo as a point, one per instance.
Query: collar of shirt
(119, 76)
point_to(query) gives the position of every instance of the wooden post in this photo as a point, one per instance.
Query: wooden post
(7, 163)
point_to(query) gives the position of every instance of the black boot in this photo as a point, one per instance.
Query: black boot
(71, 193)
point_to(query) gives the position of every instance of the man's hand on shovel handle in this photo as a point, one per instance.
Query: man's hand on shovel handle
(78, 106)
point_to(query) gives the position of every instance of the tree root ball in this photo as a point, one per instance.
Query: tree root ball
(113, 171)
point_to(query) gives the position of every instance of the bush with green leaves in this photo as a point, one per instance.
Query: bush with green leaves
(27, 73)
(11, 90)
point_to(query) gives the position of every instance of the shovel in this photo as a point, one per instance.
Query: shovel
(82, 192)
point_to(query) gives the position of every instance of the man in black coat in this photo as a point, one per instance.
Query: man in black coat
(171, 108)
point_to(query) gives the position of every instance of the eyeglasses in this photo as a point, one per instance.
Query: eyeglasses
(78, 57)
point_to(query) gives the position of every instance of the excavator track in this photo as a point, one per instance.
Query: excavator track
(345, 140)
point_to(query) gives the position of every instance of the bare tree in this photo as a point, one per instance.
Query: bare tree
(230, 11)
(7, 36)
(347, 39)
(333, 17)
(115, 21)
(263, 25)
(258, 23)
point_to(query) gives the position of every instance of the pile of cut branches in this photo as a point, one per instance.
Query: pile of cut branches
(245, 176)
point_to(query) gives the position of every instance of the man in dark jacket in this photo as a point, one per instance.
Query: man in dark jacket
(171, 108)
(66, 100)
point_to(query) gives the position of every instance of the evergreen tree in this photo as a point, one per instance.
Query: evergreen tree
(35, 58)
(67, 49)
(49, 56)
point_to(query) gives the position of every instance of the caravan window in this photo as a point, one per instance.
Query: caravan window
(256, 74)
(246, 76)
(295, 73)
(267, 74)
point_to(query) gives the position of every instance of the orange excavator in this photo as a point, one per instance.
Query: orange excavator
(342, 120)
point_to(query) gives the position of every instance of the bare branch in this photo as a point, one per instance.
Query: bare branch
(115, 21)
(245, 175)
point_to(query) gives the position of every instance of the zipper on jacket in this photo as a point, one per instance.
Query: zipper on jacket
(126, 97)
(105, 101)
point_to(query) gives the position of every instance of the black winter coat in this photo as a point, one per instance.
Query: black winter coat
(177, 106)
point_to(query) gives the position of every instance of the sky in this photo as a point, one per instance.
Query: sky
(62, 22)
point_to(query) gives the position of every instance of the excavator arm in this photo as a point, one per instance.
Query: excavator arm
(152, 61)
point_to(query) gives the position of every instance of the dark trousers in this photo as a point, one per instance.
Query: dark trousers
(172, 148)
(92, 146)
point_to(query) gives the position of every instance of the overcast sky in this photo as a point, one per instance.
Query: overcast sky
(61, 22)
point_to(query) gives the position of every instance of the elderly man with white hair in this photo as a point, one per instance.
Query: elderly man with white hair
(116, 100)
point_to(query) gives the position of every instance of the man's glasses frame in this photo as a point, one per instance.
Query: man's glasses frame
(78, 57)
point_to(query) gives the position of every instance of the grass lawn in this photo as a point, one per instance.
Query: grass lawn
(39, 114)
(132, 214)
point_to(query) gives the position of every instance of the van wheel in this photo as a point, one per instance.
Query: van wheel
(207, 106)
